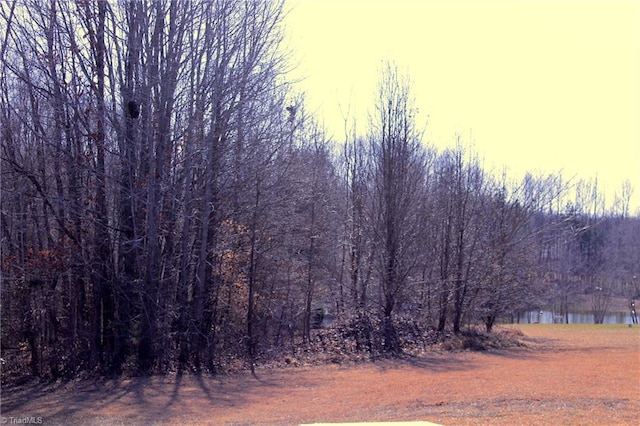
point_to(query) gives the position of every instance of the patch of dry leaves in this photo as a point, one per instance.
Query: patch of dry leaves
(564, 375)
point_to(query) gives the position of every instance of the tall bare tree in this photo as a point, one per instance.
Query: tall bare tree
(398, 173)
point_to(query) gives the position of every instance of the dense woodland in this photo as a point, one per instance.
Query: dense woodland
(169, 204)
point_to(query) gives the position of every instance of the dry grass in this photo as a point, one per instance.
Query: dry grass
(565, 375)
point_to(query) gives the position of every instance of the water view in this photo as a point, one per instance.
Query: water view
(548, 317)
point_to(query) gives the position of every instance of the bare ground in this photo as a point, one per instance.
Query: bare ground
(571, 374)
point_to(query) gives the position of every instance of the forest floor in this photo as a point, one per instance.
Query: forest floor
(564, 374)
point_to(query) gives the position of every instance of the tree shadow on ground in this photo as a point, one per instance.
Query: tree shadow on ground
(140, 394)
(139, 399)
(451, 361)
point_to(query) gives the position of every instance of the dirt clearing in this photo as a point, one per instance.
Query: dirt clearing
(567, 374)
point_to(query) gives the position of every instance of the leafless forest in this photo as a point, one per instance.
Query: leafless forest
(169, 204)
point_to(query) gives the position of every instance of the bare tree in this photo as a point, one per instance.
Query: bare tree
(124, 104)
(509, 259)
(398, 173)
(358, 240)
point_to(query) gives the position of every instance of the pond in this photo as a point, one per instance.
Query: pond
(548, 317)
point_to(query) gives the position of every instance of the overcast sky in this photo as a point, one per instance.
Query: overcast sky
(540, 86)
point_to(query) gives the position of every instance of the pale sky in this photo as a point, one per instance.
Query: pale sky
(540, 86)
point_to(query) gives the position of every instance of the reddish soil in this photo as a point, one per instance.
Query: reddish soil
(566, 374)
